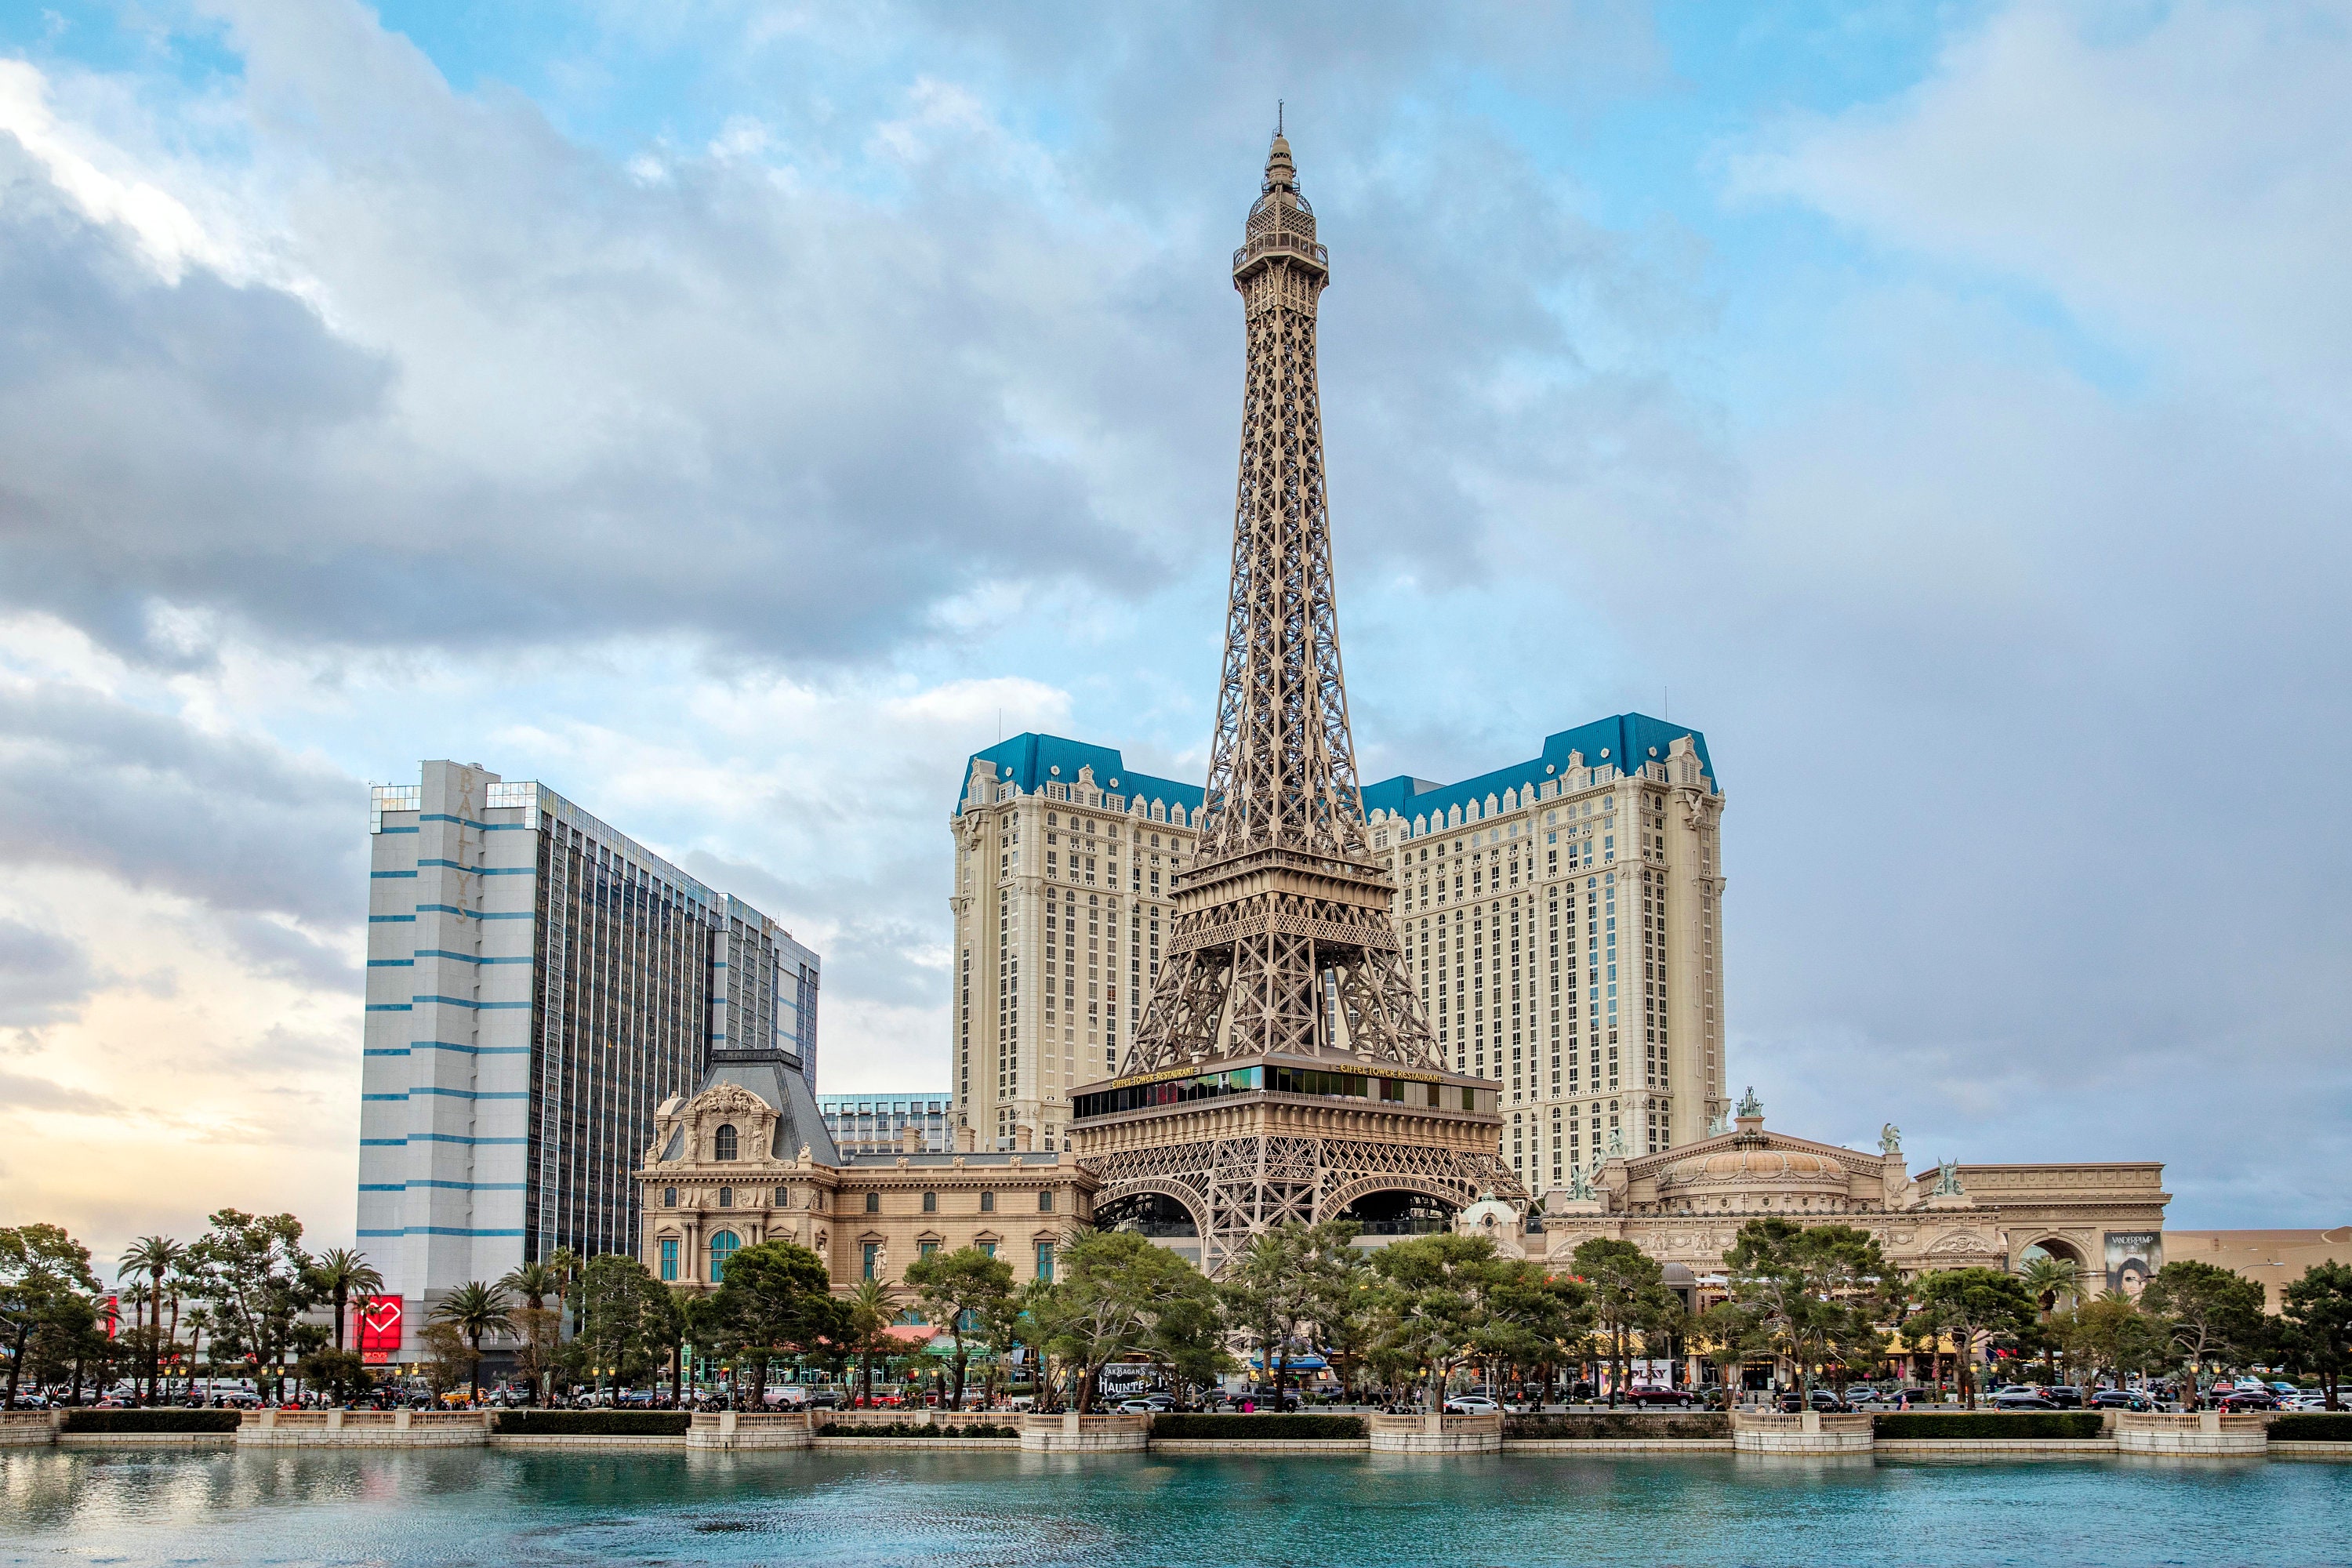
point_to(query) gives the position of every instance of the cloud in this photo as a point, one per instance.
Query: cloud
(20, 1093)
(43, 977)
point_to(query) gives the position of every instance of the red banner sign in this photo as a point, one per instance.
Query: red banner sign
(379, 1322)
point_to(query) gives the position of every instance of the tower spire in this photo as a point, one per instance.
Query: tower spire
(1284, 1070)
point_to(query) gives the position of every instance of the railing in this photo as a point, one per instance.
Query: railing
(1286, 243)
(1403, 1226)
(747, 1420)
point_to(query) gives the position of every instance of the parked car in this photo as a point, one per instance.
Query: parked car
(2064, 1396)
(2249, 1399)
(1678, 1397)
(1136, 1407)
(2121, 1399)
(2023, 1399)
(1471, 1405)
(1822, 1399)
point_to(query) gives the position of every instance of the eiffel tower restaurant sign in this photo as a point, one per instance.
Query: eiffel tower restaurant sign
(1284, 1071)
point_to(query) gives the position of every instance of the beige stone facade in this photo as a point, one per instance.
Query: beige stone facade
(2276, 1258)
(1064, 875)
(1563, 921)
(1684, 1207)
(743, 1161)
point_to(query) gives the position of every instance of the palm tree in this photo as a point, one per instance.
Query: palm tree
(475, 1310)
(872, 1309)
(535, 1282)
(347, 1276)
(154, 1255)
(2049, 1280)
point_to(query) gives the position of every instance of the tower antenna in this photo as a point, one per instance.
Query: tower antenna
(1277, 117)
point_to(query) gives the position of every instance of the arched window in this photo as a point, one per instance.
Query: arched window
(722, 1247)
(723, 1143)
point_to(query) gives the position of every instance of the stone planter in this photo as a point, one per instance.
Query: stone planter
(1427, 1434)
(1067, 1432)
(365, 1429)
(1806, 1432)
(728, 1430)
(2198, 1433)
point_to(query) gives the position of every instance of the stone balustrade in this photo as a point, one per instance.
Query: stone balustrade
(2200, 1433)
(1067, 1432)
(364, 1429)
(1802, 1432)
(733, 1429)
(1433, 1434)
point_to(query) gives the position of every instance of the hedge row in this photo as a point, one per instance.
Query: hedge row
(1618, 1425)
(592, 1423)
(1994, 1423)
(2313, 1426)
(914, 1429)
(1276, 1428)
(160, 1421)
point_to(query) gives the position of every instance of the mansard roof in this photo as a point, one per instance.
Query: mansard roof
(1029, 760)
(1624, 742)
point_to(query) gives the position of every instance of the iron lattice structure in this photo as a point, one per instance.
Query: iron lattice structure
(1283, 947)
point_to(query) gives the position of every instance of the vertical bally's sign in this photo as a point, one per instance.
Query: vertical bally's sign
(379, 1325)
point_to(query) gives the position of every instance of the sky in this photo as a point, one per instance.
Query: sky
(733, 414)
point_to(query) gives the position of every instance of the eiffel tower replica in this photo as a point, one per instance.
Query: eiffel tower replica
(1284, 1070)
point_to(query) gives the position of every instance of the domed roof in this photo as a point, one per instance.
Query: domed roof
(1753, 1165)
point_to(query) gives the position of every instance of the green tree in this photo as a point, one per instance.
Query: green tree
(1970, 1304)
(1726, 1334)
(774, 1301)
(1289, 1289)
(1111, 1291)
(1815, 1293)
(962, 1291)
(1433, 1305)
(476, 1311)
(620, 1314)
(155, 1256)
(1628, 1298)
(251, 1271)
(2318, 1309)
(42, 1271)
(873, 1308)
(348, 1280)
(2206, 1313)
(538, 1329)
(335, 1372)
(2049, 1280)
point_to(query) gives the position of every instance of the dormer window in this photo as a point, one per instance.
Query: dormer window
(724, 1142)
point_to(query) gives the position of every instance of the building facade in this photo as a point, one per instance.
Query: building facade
(1065, 866)
(875, 1123)
(745, 1158)
(1608, 845)
(1563, 922)
(537, 984)
(1684, 1207)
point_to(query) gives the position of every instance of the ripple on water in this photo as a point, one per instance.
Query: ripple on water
(995, 1509)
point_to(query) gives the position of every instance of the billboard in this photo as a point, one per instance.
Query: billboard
(379, 1328)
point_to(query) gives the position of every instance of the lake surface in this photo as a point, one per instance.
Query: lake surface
(998, 1510)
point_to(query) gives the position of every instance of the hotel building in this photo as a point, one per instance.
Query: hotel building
(1562, 918)
(537, 986)
(1563, 921)
(1064, 862)
(876, 1123)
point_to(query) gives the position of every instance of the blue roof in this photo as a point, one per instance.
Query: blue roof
(1605, 741)
(1031, 760)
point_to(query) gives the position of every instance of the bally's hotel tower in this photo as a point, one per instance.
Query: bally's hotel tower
(537, 984)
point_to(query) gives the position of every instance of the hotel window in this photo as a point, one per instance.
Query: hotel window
(925, 1248)
(1045, 1261)
(872, 1252)
(930, 1203)
(722, 1247)
(988, 1202)
(669, 1197)
(722, 1143)
(1044, 1203)
(727, 1197)
(874, 1203)
(669, 1258)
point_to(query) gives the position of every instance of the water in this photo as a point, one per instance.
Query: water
(997, 1509)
